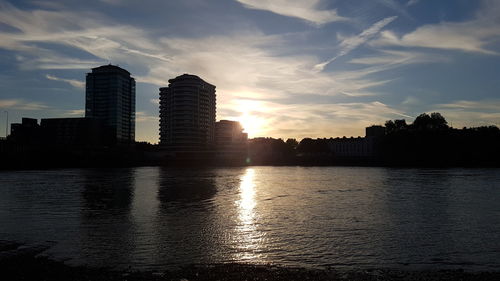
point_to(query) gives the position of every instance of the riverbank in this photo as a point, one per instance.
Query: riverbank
(30, 268)
(18, 262)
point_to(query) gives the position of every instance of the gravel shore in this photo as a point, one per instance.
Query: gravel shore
(22, 263)
(40, 268)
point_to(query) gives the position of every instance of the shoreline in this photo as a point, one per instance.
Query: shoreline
(23, 262)
(201, 166)
(43, 268)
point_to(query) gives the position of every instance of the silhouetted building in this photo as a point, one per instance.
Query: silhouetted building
(351, 147)
(26, 132)
(229, 135)
(375, 131)
(187, 114)
(230, 141)
(264, 151)
(359, 147)
(110, 96)
(73, 131)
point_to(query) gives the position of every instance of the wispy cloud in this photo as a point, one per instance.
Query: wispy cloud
(485, 105)
(469, 36)
(250, 61)
(244, 65)
(21, 104)
(467, 113)
(412, 2)
(396, 58)
(307, 10)
(350, 43)
(72, 82)
(142, 116)
(85, 31)
(112, 2)
(75, 112)
(454, 36)
(329, 119)
(395, 6)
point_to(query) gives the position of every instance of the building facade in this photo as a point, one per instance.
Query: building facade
(187, 114)
(27, 132)
(73, 131)
(359, 147)
(229, 136)
(110, 97)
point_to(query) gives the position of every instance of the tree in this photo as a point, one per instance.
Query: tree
(395, 126)
(400, 124)
(438, 121)
(292, 143)
(435, 121)
(390, 127)
(309, 145)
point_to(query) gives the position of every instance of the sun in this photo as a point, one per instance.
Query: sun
(252, 124)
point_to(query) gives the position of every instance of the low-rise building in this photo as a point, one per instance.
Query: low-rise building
(231, 142)
(74, 131)
(26, 132)
(359, 147)
(229, 136)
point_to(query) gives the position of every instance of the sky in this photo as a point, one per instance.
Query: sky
(284, 68)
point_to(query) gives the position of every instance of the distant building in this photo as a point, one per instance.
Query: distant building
(229, 136)
(359, 147)
(351, 147)
(73, 131)
(187, 114)
(26, 132)
(110, 96)
(375, 131)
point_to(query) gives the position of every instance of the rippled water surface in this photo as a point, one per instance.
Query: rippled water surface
(156, 217)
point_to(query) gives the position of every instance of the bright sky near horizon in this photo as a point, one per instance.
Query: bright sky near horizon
(285, 68)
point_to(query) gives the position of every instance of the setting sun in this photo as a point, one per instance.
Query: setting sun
(252, 124)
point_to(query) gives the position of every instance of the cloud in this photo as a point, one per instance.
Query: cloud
(87, 32)
(453, 36)
(351, 43)
(466, 113)
(112, 2)
(75, 112)
(250, 61)
(412, 2)
(72, 82)
(395, 6)
(468, 36)
(329, 119)
(303, 9)
(396, 58)
(247, 65)
(21, 104)
(141, 116)
(487, 105)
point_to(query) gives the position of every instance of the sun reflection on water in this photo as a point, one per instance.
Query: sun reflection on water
(249, 238)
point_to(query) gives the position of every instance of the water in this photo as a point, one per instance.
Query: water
(157, 218)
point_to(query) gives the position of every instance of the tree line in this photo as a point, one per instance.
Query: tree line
(427, 141)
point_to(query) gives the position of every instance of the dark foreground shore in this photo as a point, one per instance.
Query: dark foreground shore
(18, 262)
(45, 269)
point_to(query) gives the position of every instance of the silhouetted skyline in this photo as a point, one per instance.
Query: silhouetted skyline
(314, 68)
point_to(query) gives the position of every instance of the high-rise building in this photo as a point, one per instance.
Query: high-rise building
(110, 97)
(187, 114)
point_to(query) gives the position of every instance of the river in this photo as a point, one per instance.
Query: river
(347, 217)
